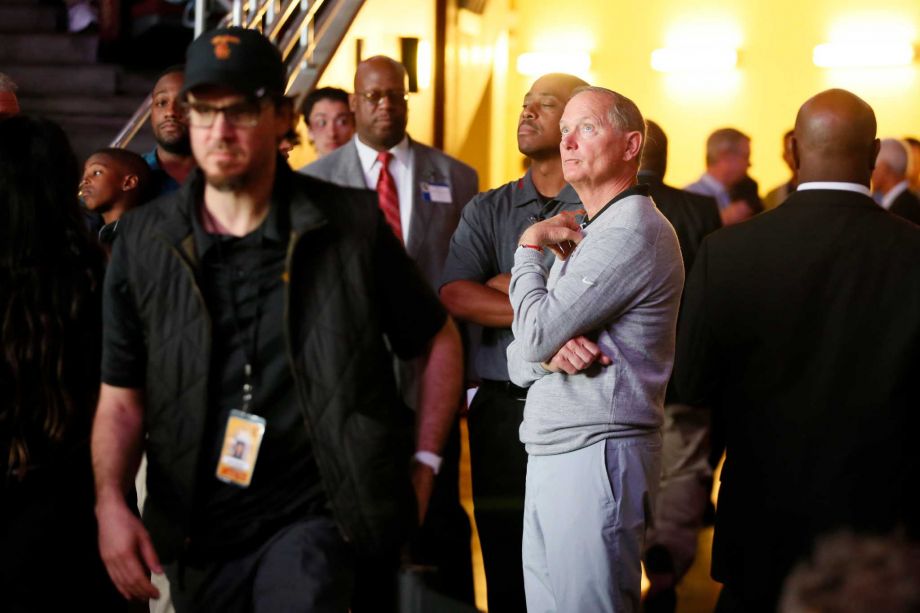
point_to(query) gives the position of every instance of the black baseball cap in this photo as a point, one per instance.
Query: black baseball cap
(235, 57)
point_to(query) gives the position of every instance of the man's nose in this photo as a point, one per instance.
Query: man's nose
(221, 126)
(528, 111)
(568, 141)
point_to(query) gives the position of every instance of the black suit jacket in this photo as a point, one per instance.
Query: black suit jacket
(907, 205)
(803, 326)
(693, 217)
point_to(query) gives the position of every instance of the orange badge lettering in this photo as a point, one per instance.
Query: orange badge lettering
(222, 45)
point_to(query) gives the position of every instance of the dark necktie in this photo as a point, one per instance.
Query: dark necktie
(387, 194)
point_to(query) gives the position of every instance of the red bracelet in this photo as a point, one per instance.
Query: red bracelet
(534, 247)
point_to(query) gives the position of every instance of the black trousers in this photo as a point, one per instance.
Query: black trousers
(305, 566)
(439, 550)
(499, 467)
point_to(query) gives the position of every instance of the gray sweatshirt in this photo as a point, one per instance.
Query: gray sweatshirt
(621, 287)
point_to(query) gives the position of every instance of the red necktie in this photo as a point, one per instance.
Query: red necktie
(387, 195)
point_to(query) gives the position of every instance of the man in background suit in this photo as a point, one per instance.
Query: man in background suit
(803, 324)
(421, 192)
(728, 157)
(889, 179)
(686, 474)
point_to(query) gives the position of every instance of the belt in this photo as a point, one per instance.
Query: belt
(506, 387)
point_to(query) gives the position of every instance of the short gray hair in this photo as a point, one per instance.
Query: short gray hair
(893, 154)
(623, 113)
(723, 140)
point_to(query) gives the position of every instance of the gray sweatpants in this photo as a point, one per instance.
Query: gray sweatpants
(585, 516)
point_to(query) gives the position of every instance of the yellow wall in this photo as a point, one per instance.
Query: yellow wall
(774, 75)
(760, 96)
(380, 23)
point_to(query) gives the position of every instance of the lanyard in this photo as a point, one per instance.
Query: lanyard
(250, 350)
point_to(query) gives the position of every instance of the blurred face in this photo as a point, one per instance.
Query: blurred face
(593, 150)
(735, 163)
(787, 153)
(103, 183)
(234, 138)
(330, 125)
(538, 125)
(379, 104)
(167, 119)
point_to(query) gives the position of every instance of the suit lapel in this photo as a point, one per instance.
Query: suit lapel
(423, 171)
(348, 170)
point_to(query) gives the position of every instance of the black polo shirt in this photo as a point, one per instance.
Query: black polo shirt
(483, 246)
(243, 275)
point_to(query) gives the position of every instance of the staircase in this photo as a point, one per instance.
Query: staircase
(59, 77)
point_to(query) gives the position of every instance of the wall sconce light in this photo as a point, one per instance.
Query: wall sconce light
(863, 54)
(536, 63)
(694, 58)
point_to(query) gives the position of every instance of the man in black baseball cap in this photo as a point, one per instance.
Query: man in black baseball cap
(244, 352)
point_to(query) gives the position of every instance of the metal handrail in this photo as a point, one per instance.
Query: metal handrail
(295, 21)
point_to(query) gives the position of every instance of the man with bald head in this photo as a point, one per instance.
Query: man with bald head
(475, 290)
(889, 180)
(421, 192)
(803, 326)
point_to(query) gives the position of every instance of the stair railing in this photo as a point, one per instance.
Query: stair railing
(306, 46)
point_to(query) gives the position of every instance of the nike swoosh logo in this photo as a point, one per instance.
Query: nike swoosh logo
(587, 281)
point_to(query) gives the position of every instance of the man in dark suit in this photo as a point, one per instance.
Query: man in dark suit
(686, 476)
(803, 326)
(421, 192)
(889, 179)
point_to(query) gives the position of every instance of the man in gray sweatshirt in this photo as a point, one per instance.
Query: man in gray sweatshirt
(594, 339)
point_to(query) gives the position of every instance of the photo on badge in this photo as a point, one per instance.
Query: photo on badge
(240, 450)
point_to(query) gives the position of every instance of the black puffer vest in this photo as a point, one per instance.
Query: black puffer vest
(360, 431)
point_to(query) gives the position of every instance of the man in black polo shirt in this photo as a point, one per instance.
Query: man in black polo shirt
(475, 289)
(245, 325)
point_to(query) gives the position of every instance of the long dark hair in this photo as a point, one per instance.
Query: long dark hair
(50, 314)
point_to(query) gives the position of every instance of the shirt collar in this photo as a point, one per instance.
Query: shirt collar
(636, 190)
(273, 228)
(368, 155)
(893, 194)
(525, 192)
(838, 185)
(711, 181)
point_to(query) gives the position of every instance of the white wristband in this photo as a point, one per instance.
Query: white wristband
(429, 459)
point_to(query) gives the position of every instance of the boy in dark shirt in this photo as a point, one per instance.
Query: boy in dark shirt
(114, 182)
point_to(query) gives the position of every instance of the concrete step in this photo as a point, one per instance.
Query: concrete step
(28, 17)
(60, 48)
(88, 135)
(89, 80)
(74, 105)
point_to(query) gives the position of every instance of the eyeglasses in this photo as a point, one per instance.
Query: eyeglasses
(240, 115)
(374, 96)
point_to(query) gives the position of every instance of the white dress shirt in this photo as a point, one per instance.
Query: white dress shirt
(400, 167)
(892, 194)
(847, 187)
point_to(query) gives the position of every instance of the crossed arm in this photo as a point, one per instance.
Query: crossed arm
(561, 234)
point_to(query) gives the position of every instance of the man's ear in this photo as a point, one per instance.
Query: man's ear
(129, 182)
(633, 145)
(352, 104)
(797, 162)
(283, 117)
(877, 146)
